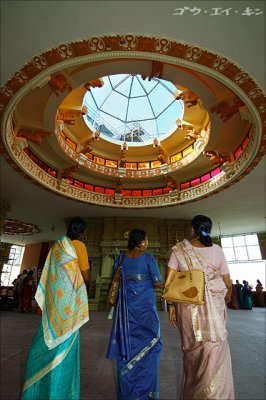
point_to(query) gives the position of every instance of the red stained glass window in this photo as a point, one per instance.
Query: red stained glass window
(126, 192)
(78, 184)
(99, 189)
(185, 185)
(42, 165)
(215, 172)
(238, 152)
(136, 192)
(245, 142)
(195, 182)
(52, 172)
(205, 177)
(166, 190)
(87, 186)
(34, 158)
(27, 150)
(147, 192)
(110, 192)
(157, 192)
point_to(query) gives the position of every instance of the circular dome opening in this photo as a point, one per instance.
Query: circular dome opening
(130, 108)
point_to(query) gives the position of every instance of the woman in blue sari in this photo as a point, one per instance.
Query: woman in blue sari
(135, 340)
(53, 367)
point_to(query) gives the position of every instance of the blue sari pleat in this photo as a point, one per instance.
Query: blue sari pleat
(119, 345)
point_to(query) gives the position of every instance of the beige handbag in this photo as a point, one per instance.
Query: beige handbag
(185, 286)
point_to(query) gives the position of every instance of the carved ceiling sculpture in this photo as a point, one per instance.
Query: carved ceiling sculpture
(15, 227)
(213, 144)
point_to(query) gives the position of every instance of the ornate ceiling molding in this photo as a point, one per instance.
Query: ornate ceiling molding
(99, 49)
(15, 227)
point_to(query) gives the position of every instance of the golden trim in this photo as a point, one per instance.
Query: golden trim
(206, 393)
(195, 323)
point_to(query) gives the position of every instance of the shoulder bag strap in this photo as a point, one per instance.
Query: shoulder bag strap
(185, 257)
(120, 265)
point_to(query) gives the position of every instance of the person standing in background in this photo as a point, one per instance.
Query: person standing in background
(28, 290)
(259, 294)
(19, 287)
(239, 294)
(233, 303)
(246, 291)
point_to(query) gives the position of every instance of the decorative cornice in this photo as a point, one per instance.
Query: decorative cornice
(164, 169)
(128, 46)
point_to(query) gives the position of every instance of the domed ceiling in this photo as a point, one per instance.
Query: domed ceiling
(132, 122)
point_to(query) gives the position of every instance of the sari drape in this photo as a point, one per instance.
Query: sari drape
(207, 361)
(247, 300)
(53, 374)
(53, 367)
(135, 340)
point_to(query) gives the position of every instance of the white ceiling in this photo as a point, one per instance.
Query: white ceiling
(29, 28)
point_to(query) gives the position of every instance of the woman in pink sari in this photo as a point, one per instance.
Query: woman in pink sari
(207, 369)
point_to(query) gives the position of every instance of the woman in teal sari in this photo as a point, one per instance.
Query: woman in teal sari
(135, 340)
(247, 301)
(53, 367)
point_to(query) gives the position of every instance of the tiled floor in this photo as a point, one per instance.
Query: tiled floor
(98, 375)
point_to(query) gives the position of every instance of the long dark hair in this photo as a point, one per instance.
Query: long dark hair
(75, 228)
(202, 226)
(136, 236)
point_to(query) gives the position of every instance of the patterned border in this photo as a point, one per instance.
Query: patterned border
(200, 145)
(37, 70)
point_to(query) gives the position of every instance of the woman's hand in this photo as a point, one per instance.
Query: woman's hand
(172, 315)
(228, 284)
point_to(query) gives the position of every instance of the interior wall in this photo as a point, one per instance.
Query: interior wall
(31, 256)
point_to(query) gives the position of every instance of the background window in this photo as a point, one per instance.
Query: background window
(241, 248)
(11, 269)
(244, 259)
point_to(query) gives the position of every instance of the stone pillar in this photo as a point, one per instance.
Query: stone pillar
(107, 266)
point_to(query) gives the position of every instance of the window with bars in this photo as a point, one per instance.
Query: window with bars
(242, 248)
(11, 269)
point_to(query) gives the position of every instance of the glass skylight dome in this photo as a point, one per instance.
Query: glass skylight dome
(129, 108)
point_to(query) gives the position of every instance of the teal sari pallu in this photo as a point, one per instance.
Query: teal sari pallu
(53, 374)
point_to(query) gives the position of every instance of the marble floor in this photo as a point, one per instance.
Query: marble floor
(98, 375)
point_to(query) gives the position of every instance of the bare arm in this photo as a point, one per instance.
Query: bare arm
(228, 284)
(171, 307)
(86, 276)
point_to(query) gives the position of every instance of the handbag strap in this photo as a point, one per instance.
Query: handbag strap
(185, 257)
(121, 262)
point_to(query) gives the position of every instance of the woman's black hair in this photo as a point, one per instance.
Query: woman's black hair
(136, 236)
(75, 228)
(202, 226)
